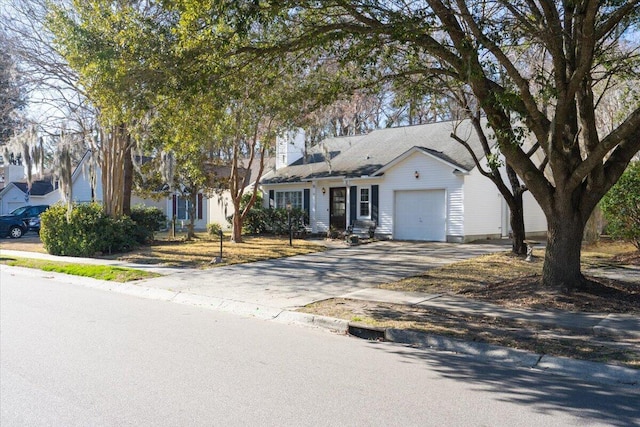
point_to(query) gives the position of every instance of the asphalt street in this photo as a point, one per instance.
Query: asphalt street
(72, 355)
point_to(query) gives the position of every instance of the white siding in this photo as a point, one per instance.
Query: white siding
(220, 207)
(321, 223)
(49, 199)
(81, 188)
(289, 148)
(12, 199)
(160, 204)
(535, 222)
(486, 211)
(433, 175)
(483, 206)
(12, 173)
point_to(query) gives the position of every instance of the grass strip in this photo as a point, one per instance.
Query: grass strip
(100, 272)
(202, 250)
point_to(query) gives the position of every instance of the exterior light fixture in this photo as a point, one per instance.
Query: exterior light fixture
(324, 190)
(416, 174)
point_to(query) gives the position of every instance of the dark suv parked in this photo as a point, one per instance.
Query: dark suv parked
(16, 223)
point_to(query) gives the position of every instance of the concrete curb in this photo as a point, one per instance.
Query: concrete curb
(305, 319)
(229, 306)
(481, 351)
(594, 371)
(579, 369)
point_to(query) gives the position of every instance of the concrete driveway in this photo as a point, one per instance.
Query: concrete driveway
(288, 283)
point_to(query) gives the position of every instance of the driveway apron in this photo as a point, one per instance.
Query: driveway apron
(287, 283)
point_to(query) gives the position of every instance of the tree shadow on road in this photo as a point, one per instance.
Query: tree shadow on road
(546, 393)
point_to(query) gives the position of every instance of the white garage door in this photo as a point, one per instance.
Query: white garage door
(15, 205)
(420, 215)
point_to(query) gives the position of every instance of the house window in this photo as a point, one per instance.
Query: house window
(285, 197)
(182, 208)
(365, 204)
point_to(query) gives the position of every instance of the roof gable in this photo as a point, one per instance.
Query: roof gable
(7, 188)
(79, 168)
(437, 156)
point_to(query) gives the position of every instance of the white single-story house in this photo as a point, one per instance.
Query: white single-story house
(414, 182)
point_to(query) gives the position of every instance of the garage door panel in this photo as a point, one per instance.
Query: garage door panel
(420, 215)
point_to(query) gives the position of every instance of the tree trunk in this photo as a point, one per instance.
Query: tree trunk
(516, 219)
(562, 257)
(236, 235)
(193, 199)
(514, 200)
(128, 179)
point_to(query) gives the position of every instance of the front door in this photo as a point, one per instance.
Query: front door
(338, 208)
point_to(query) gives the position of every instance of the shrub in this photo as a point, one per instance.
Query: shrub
(256, 221)
(214, 229)
(53, 226)
(85, 232)
(621, 206)
(148, 220)
(261, 220)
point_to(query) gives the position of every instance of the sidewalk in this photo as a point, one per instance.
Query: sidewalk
(596, 324)
(211, 289)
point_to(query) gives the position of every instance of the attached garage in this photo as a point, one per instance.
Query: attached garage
(420, 215)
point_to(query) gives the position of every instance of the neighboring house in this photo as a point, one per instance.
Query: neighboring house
(220, 203)
(209, 209)
(84, 191)
(415, 182)
(46, 192)
(17, 194)
(177, 206)
(172, 205)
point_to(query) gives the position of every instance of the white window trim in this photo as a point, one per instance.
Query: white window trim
(360, 202)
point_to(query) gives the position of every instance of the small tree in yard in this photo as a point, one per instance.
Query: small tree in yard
(621, 206)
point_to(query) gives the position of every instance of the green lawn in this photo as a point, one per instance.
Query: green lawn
(100, 272)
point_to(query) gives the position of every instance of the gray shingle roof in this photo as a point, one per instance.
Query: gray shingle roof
(366, 154)
(38, 188)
